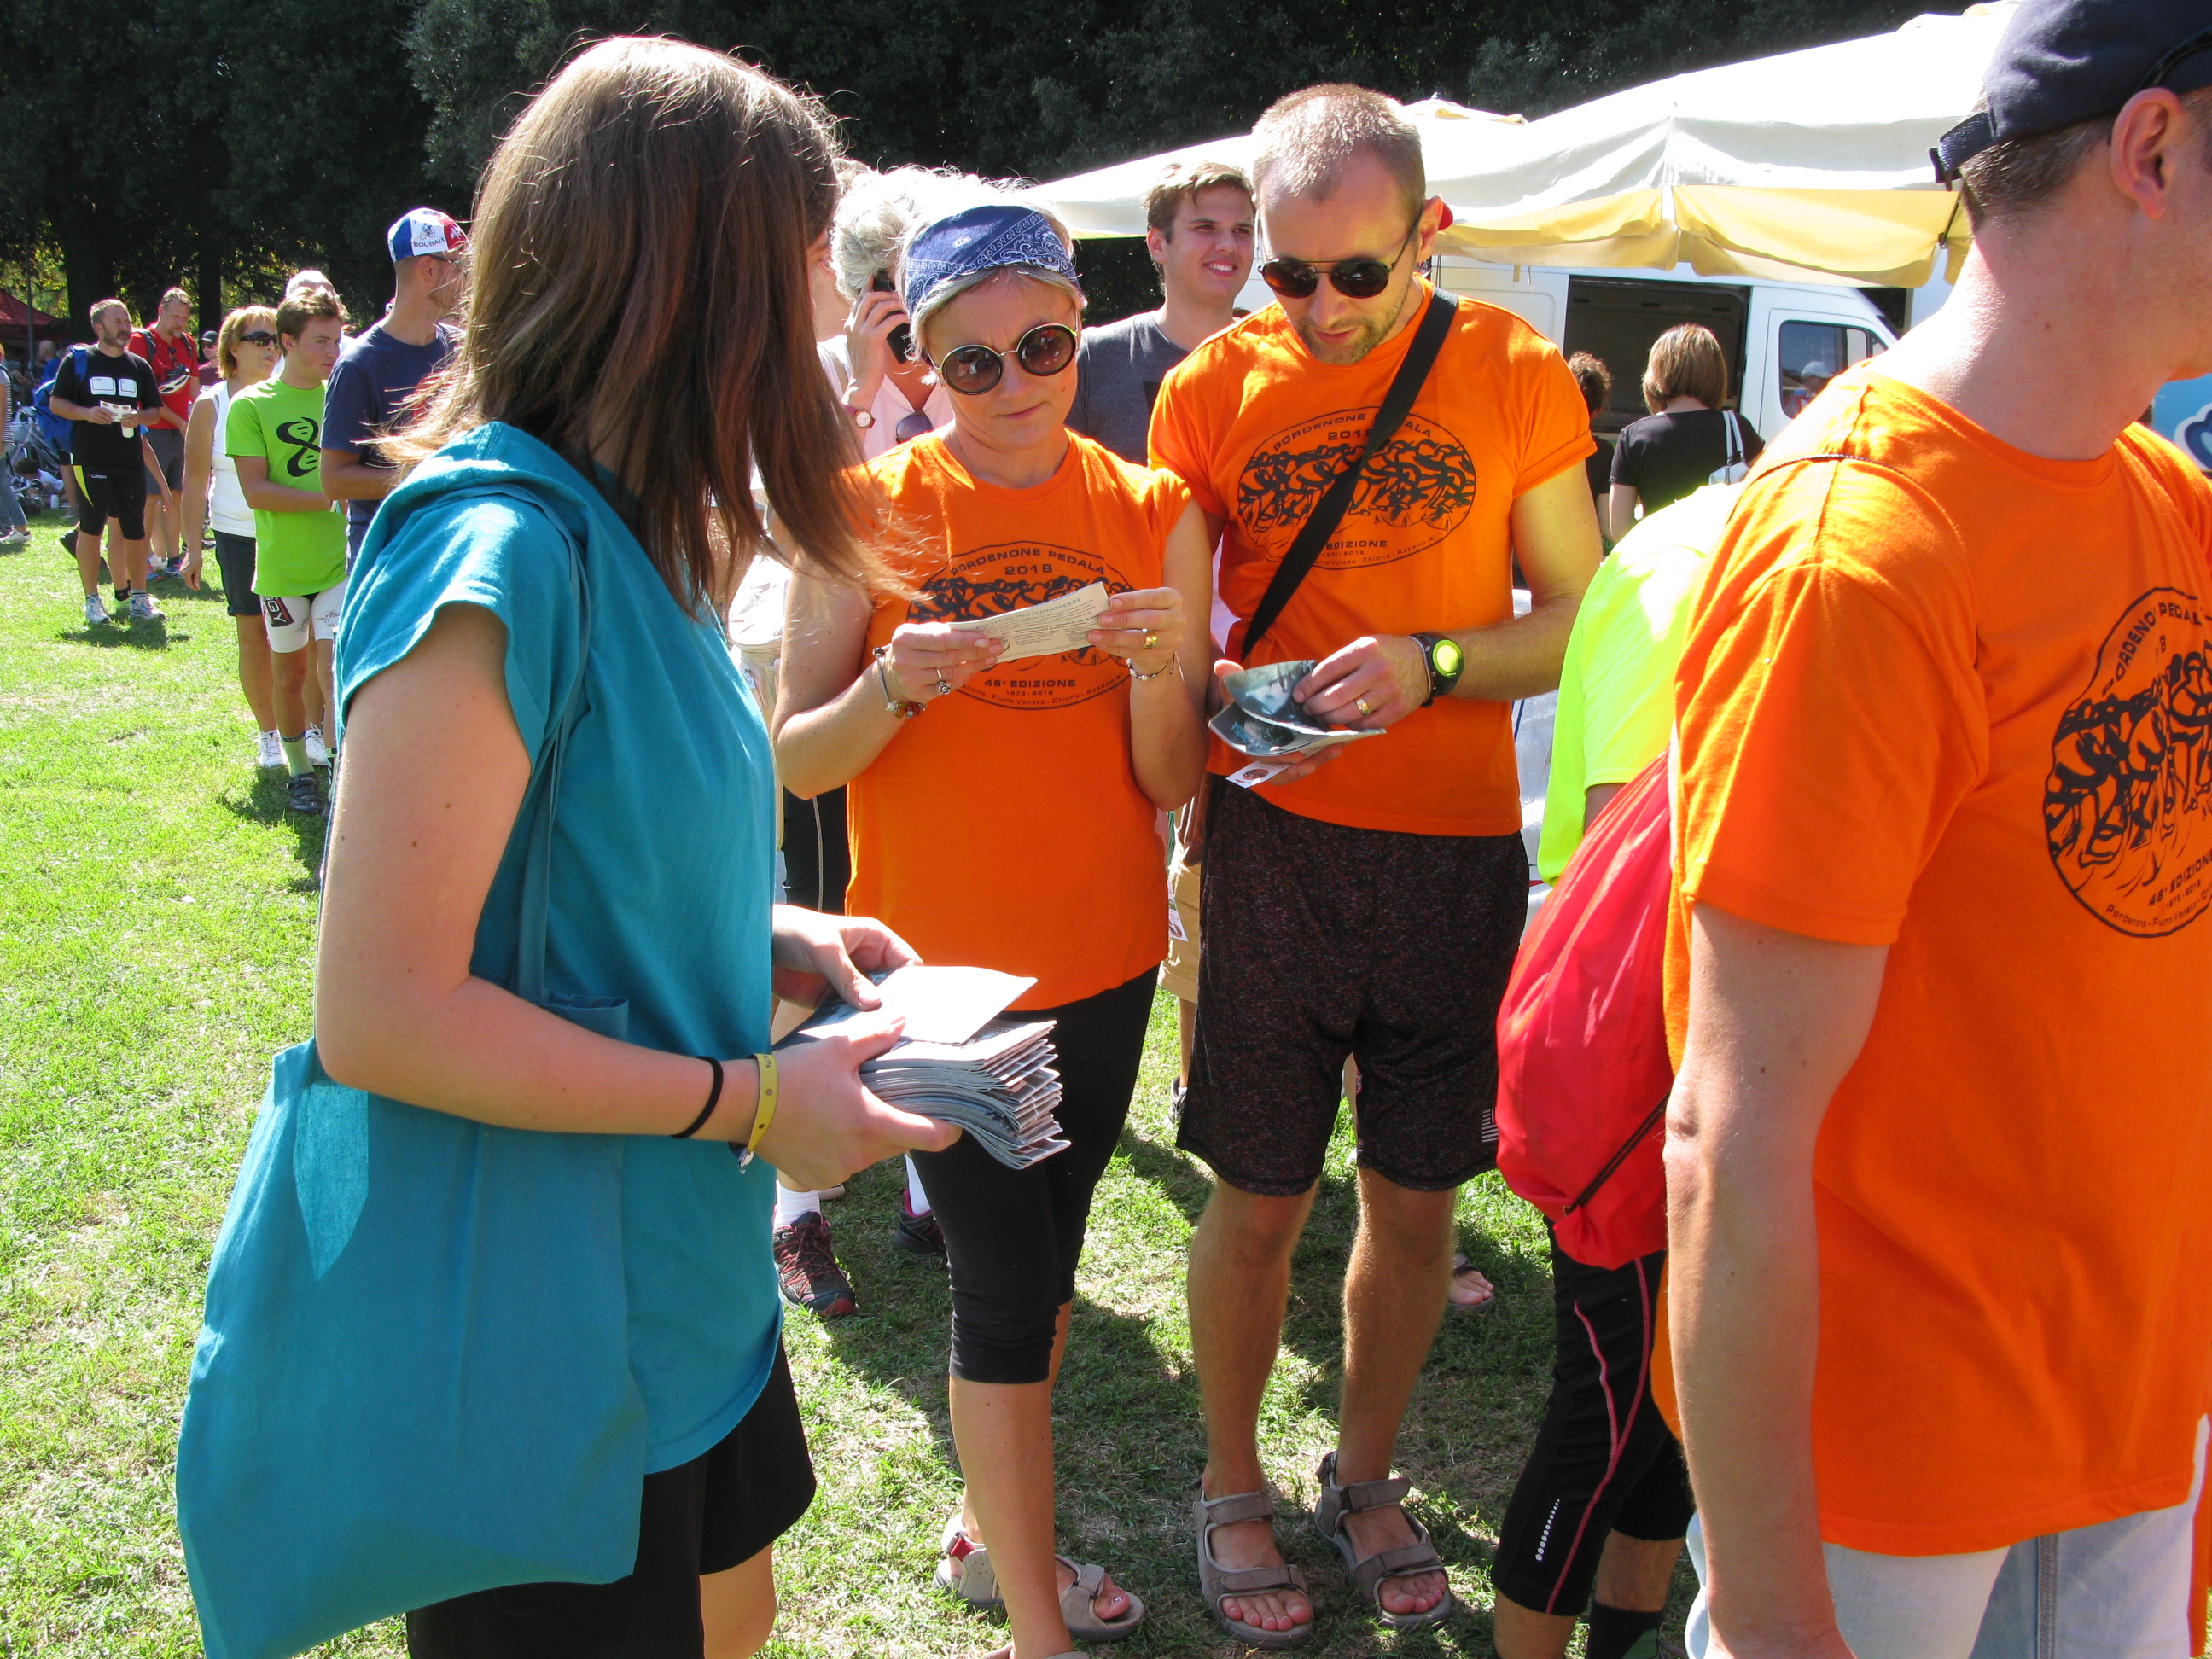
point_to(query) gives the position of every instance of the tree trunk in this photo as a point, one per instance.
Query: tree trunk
(210, 286)
(88, 268)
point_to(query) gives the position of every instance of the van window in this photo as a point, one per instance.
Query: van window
(1812, 354)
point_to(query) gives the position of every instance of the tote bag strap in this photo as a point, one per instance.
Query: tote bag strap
(1328, 512)
(543, 797)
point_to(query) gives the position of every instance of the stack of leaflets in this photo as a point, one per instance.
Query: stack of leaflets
(959, 1063)
(1264, 721)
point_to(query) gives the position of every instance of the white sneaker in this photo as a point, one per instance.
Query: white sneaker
(96, 612)
(271, 747)
(317, 755)
(143, 608)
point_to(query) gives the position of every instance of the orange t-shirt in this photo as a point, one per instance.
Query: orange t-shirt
(1954, 699)
(1258, 428)
(1003, 827)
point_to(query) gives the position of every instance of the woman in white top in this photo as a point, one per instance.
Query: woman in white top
(246, 350)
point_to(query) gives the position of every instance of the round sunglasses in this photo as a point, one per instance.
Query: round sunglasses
(260, 337)
(1355, 279)
(973, 370)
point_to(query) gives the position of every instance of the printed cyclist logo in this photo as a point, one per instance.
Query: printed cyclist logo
(1410, 498)
(989, 582)
(2127, 810)
(304, 436)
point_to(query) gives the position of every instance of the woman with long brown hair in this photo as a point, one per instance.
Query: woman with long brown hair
(532, 679)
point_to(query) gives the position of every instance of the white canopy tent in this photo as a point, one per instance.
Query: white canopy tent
(1808, 166)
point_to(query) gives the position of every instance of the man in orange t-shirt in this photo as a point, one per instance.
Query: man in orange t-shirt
(1940, 1148)
(1369, 907)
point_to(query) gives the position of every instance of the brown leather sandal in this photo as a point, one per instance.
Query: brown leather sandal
(977, 1585)
(1216, 1582)
(1367, 1572)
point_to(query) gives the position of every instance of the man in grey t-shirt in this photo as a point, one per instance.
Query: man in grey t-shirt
(1200, 236)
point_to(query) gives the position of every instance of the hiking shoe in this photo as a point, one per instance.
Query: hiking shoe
(806, 1269)
(317, 753)
(95, 610)
(304, 796)
(269, 752)
(919, 1235)
(143, 608)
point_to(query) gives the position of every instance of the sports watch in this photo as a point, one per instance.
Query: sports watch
(1445, 660)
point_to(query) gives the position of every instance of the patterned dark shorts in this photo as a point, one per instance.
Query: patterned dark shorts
(1320, 942)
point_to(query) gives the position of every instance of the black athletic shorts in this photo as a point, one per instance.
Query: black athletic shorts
(233, 558)
(1318, 941)
(167, 444)
(119, 495)
(1604, 1460)
(713, 1513)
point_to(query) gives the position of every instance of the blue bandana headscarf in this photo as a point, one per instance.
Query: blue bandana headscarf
(978, 239)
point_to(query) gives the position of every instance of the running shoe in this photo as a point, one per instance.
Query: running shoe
(317, 755)
(143, 608)
(919, 1235)
(174, 566)
(270, 752)
(806, 1269)
(95, 610)
(304, 796)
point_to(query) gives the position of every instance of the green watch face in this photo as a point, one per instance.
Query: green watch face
(1447, 659)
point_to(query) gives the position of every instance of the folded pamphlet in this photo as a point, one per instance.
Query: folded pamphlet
(1046, 630)
(999, 1085)
(1264, 721)
(939, 1004)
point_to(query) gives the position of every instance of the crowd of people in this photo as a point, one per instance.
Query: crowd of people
(1915, 685)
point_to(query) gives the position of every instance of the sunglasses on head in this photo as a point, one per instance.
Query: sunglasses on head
(260, 337)
(972, 370)
(1355, 279)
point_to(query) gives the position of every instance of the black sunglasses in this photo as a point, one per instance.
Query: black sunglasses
(260, 337)
(2160, 71)
(973, 370)
(1355, 279)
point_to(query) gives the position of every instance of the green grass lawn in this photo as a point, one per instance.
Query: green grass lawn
(160, 913)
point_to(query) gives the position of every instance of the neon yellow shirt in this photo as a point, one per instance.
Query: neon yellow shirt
(1617, 682)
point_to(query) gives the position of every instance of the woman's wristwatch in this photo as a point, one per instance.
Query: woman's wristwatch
(894, 704)
(863, 418)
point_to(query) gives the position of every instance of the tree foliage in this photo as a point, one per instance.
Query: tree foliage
(158, 140)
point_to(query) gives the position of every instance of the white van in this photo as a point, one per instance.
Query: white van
(1782, 340)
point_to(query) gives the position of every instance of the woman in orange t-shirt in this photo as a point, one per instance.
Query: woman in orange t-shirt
(1004, 813)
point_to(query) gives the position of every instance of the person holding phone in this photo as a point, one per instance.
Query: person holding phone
(1067, 882)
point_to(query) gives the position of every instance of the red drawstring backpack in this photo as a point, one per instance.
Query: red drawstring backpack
(1583, 1068)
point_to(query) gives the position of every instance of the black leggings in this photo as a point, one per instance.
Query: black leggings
(1013, 1237)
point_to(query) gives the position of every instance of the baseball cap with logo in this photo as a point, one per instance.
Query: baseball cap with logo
(2064, 62)
(424, 230)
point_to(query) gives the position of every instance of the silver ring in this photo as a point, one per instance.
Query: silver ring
(943, 689)
(1361, 705)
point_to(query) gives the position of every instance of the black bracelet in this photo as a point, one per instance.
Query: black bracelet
(714, 1099)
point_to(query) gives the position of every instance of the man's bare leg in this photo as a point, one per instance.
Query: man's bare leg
(1239, 1286)
(1394, 1297)
(88, 563)
(1634, 1574)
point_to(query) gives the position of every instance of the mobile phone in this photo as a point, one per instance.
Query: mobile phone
(901, 339)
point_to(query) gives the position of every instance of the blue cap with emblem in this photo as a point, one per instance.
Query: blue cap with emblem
(2064, 62)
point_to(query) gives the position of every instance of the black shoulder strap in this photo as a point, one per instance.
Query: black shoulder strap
(1328, 512)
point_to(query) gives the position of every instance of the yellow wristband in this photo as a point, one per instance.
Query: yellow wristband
(763, 1114)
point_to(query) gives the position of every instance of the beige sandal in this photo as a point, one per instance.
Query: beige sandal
(1367, 1572)
(977, 1585)
(1216, 1582)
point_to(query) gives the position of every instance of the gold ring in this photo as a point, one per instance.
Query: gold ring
(1151, 641)
(1361, 705)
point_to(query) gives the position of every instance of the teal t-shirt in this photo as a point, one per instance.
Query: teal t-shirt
(661, 871)
(295, 554)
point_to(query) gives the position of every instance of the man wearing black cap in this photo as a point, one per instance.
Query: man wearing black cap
(1941, 971)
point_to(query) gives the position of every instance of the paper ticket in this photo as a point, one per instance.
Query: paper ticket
(1046, 630)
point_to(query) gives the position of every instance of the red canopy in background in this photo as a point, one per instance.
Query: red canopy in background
(15, 317)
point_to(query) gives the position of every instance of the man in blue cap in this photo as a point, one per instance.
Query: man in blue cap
(1940, 971)
(381, 369)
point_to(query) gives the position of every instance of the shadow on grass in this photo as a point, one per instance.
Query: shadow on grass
(263, 802)
(120, 634)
